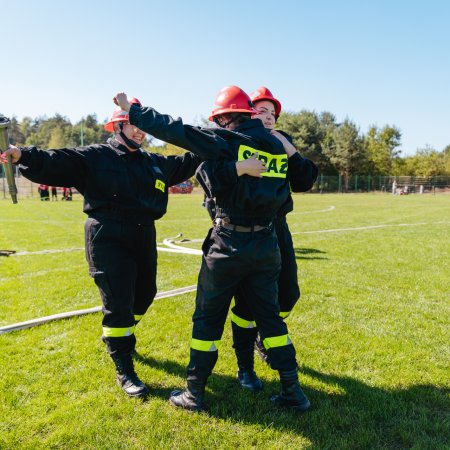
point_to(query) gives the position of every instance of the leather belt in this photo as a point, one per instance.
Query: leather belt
(229, 226)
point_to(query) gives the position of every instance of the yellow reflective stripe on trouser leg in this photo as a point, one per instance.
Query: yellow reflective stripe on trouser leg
(118, 332)
(284, 314)
(276, 341)
(204, 346)
(242, 323)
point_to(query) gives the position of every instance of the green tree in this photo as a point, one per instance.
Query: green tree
(29, 126)
(382, 148)
(427, 162)
(310, 133)
(57, 138)
(446, 160)
(348, 153)
(42, 132)
(167, 150)
(16, 136)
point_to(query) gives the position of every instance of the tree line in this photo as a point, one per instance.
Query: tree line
(337, 148)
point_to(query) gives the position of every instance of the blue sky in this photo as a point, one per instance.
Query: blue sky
(375, 62)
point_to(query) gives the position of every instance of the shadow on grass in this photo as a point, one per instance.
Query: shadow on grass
(300, 252)
(354, 416)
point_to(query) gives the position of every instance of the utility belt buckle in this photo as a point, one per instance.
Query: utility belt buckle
(225, 223)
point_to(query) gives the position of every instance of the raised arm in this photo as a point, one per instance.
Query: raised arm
(203, 142)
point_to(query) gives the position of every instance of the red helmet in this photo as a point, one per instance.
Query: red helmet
(119, 115)
(232, 99)
(263, 93)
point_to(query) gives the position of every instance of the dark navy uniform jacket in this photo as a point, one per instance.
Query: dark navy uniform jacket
(115, 183)
(214, 178)
(217, 180)
(248, 200)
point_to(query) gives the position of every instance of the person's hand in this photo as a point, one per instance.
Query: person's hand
(251, 166)
(288, 147)
(121, 100)
(12, 151)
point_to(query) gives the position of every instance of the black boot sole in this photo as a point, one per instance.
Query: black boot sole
(286, 405)
(172, 401)
(141, 395)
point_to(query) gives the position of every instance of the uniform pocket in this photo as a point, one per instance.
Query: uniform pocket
(92, 230)
(207, 242)
(102, 282)
(223, 241)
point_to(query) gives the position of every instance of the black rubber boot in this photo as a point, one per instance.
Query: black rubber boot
(261, 350)
(191, 398)
(243, 343)
(249, 380)
(127, 378)
(291, 396)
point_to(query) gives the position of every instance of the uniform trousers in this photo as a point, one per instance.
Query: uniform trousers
(122, 259)
(288, 289)
(232, 258)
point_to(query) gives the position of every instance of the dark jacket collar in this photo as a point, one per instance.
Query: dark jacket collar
(121, 149)
(249, 124)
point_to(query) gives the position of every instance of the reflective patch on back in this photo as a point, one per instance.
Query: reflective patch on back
(276, 165)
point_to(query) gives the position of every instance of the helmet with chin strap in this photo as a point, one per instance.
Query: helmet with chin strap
(232, 99)
(263, 93)
(119, 115)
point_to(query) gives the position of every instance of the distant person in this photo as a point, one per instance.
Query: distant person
(54, 190)
(67, 194)
(125, 191)
(43, 190)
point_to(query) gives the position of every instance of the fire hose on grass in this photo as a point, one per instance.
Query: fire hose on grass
(65, 315)
(81, 312)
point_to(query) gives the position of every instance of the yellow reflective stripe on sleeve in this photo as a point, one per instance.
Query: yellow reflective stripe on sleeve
(204, 346)
(160, 185)
(284, 314)
(276, 341)
(242, 323)
(118, 332)
(276, 165)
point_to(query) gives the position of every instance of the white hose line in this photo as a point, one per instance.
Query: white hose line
(81, 312)
(371, 227)
(66, 250)
(191, 251)
(186, 251)
(295, 213)
(43, 252)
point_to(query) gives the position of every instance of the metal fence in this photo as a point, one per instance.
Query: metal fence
(380, 183)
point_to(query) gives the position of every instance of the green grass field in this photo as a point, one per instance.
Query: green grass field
(372, 332)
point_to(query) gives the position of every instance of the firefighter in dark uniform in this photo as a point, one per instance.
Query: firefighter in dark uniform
(125, 190)
(242, 246)
(303, 174)
(43, 192)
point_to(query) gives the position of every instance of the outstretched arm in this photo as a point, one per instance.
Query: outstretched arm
(63, 167)
(204, 142)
